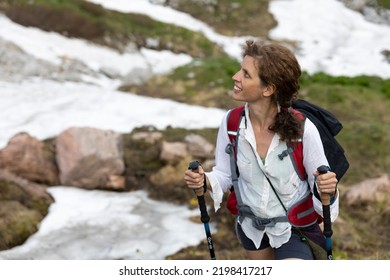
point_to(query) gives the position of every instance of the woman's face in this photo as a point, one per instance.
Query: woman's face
(247, 84)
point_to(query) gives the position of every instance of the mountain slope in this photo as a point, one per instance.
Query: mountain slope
(360, 102)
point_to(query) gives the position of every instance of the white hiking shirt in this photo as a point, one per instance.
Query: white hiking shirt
(255, 190)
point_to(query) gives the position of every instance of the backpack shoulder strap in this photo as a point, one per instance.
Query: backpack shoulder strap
(295, 149)
(233, 122)
(297, 152)
(297, 146)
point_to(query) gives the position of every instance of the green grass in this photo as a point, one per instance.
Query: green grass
(208, 72)
(361, 104)
(206, 82)
(384, 3)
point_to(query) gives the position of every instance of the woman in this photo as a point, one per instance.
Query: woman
(268, 84)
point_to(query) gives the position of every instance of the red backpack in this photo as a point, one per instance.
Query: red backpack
(301, 214)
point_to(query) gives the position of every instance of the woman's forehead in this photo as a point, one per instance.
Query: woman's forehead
(249, 63)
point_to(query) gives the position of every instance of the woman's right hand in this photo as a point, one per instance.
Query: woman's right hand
(194, 178)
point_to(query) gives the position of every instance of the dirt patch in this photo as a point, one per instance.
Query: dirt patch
(231, 18)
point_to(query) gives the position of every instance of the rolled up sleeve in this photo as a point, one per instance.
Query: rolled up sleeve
(220, 176)
(313, 157)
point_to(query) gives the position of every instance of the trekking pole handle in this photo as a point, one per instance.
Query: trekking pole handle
(194, 166)
(204, 216)
(325, 197)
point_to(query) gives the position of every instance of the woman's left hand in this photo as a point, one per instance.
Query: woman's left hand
(326, 183)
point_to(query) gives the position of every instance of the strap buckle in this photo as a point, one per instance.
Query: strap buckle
(262, 223)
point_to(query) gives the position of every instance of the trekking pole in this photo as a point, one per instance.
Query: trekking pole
(204, 216)
(325, 199)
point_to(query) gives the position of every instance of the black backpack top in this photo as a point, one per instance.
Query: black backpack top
(328, 126)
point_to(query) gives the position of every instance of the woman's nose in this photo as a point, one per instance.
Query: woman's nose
(236, 76)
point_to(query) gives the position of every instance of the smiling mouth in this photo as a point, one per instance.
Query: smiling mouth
(236, 89)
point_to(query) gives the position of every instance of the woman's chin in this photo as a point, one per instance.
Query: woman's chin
(237, 97)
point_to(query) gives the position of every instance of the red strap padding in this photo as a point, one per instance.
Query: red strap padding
(303, 214)
(298, 150)
(297, 155)
(231, 203)
(233, 122)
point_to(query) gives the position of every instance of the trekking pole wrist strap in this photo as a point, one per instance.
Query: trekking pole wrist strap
(334, 196)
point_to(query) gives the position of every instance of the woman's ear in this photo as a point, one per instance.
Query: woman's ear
(269, 90)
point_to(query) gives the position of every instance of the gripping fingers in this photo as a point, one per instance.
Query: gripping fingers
(327, 183)
(193, 180)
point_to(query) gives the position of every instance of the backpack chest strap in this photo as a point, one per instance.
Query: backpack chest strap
(259, 223)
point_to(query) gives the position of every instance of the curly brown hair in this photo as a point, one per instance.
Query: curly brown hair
(278, 66)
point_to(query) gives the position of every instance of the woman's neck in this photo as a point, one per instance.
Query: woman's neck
(262, 114)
